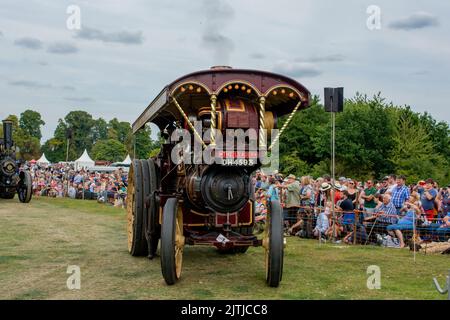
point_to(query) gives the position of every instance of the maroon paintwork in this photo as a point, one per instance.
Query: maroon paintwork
(161, 110)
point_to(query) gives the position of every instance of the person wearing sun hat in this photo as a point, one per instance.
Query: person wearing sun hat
(343, 183)
(325, 186)
(324, 193)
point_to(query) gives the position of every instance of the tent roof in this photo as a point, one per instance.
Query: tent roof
(84, 157)
(127, 160)
(43, 159)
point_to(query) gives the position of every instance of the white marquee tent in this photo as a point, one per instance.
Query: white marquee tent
(84, 161)
(43, 160)
(127, 160)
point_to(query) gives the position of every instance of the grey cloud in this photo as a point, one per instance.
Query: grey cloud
(420, 73)
(296, 69)
(217, 14)
(325, 58)
(1, 33)
(29, 43)
(257, 55)
(79, 99)
(29, 84)
(62, 48)
(68, 88)
(418, 20)
(124, 37)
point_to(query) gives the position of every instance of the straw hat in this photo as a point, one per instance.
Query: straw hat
(338, 186)
(291, 176)
(325, 186)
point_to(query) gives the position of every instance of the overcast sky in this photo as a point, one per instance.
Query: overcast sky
(127, 51)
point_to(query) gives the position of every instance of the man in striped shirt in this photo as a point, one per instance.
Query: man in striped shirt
(400, 193)
(386, 211)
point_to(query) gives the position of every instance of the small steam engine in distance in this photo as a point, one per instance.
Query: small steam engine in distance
(11, 180)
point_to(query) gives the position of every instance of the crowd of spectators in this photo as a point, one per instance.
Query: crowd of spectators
(358, 211)
(343, 210)
(62, 180)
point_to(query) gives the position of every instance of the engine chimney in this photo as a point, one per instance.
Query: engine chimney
(7, 134)
(220, 67)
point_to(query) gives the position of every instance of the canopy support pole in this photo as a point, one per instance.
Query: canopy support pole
(213, 119)
(285, 124)
(262, 123)
(196, 134)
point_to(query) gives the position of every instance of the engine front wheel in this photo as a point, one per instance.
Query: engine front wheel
(25, 188)
(273, 243)
(172, 241)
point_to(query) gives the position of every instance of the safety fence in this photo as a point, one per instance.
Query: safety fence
(361, 227)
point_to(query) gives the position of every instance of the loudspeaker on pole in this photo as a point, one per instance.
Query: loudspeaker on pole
(334, 99)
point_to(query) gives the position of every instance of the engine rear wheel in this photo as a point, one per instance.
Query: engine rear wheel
(273, 243)
(172, 241)
(137, 244)
(151, 208)
(25, 188)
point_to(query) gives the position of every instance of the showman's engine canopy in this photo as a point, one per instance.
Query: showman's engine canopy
(180, 198)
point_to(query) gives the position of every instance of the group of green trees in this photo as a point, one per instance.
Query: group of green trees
(110, 141)
(373, 139)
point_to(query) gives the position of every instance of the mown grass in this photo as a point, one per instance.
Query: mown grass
(38, 241)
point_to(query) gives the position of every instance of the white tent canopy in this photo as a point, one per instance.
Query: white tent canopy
(127, 160)
(43, 160)
(84, 161)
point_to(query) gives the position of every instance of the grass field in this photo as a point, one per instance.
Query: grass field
(39, 240)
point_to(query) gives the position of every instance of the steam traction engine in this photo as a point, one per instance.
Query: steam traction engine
(11, 181)
(180, 202)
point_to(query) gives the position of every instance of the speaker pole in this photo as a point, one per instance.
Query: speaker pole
(334, 102)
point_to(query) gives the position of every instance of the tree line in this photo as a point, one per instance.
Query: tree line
(110, 141)
(374, 138)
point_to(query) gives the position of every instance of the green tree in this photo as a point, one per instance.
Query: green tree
(30, 122)
(364, 138)
(293, 164)
(55, 148)
(99, 130)
(143, 143)
(413, 153)
(303, 133)
(369, 138)
(29, 147)
(81, 123)
(119, 130)
(109, 150)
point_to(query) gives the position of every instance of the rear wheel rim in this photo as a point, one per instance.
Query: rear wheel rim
(179, 243)
(130, 206)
